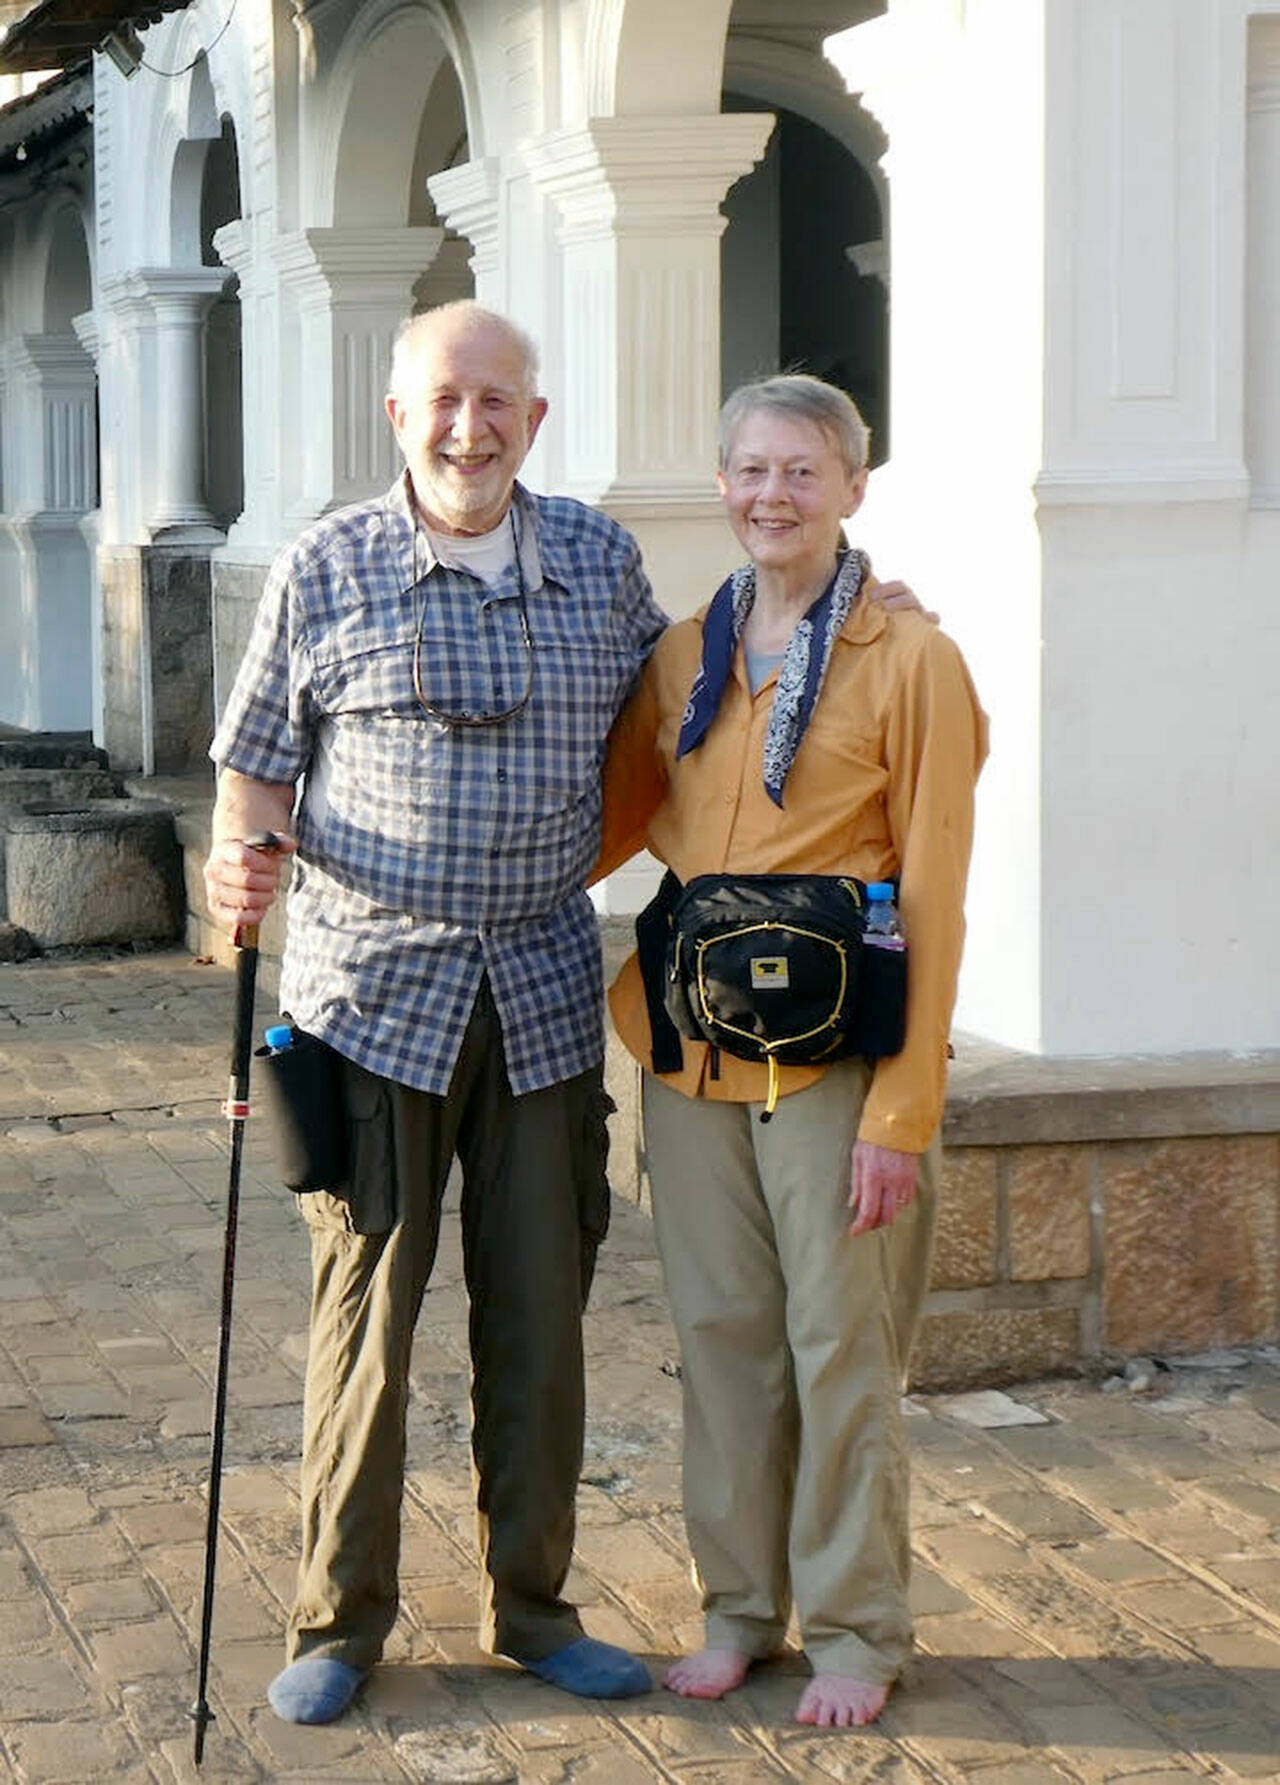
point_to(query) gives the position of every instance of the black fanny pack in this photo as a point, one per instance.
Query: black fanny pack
(769, 967)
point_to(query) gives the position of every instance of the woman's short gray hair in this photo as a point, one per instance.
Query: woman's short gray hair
(804, 398)
(416, 328)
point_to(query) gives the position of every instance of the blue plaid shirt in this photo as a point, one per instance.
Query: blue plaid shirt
(430, 856)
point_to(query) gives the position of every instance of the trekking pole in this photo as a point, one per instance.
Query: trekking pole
(245, 942)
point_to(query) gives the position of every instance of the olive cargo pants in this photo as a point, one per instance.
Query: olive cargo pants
(535, 1205)
(794, 1341)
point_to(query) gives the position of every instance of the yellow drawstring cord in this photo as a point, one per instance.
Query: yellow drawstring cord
(771, 1102)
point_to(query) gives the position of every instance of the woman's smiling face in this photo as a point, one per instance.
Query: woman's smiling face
(786, 490)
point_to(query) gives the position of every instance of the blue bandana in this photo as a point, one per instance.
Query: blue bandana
(800, 678)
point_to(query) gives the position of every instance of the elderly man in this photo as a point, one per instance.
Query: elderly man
(439, 667)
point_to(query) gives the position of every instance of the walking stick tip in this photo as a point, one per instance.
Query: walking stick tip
(201, 1716)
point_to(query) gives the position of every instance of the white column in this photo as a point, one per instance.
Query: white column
(640, 226)
(1262, 264)
(52, 481)
(179, 299)
(51, 385)
(466, 199)
(347, 289)
(86, 328)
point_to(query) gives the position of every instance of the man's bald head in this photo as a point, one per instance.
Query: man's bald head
(417, 335)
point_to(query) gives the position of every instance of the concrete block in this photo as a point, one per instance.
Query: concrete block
(964, 1254)
(109, 871)
(53, 783)
(1178, 1274)
(1048, 1196)
(993, 1345)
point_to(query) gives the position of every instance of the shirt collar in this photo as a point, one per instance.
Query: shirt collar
(401, 524)
(865, 620)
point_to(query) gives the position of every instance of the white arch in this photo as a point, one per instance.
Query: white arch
(186, 116)
(55, 270)
(802, 81)
(370, 120)
(35, 262)
(654, 58)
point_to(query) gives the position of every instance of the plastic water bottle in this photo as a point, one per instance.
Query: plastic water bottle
(279, 1037)
(882, 929)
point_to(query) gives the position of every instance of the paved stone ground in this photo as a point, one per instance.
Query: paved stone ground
(1098, 1595)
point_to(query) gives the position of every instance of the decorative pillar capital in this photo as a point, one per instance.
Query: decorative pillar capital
(355, 264)
(234, 246)
(639, 229)
(348, 288)
(52, 359)
(466, 199)
(646, 176)
(174, 295)
(87, 333)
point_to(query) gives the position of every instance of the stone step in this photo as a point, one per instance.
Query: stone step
(51, 750)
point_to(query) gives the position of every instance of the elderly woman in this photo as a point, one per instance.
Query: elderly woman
(794, 726)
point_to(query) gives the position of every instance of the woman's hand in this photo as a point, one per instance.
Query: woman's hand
(883, 1183)
(901, 598)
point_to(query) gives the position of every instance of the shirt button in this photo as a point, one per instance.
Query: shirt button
(501, 775)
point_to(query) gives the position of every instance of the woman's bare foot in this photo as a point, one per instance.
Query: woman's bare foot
(708, 1674)
(837, 1700)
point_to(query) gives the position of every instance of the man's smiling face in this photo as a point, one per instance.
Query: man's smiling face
(465, 420)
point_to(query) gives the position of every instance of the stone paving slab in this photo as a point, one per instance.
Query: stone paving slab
(1097, 1596)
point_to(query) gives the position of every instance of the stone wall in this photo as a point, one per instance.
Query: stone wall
(157, 656)
(1091, 1210)
(1098, 1209)
(236, 590)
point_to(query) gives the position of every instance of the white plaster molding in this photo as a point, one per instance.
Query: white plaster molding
(1262, 262)
(466, 198)
(352, 262)
(642, 55)
(801, 78)
(88, 333)
(652, 176)
(234, 245)
(49, 401)
(170, 303)
(48, 357)
(1197, 480)
(639, 229)
(356, 54)
(349, 288)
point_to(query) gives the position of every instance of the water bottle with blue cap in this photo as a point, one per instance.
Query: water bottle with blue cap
(883, 927)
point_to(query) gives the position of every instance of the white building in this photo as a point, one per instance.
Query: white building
(1069, 208)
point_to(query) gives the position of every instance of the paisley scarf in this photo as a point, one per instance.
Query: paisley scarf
(804, 664)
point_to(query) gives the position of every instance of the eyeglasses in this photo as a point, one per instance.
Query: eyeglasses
(473, 721)
(442, 716)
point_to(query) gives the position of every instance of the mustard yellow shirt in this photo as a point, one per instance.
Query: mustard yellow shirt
(881, 787)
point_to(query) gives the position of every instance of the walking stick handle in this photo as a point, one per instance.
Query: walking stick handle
(245, 935)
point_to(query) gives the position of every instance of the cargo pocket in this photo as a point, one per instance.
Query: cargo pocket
(366, 1204)
(593, 1174)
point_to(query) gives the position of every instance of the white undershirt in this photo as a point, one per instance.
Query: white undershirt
(484, 555)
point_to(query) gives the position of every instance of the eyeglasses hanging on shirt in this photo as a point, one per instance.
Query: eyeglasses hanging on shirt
(441, 715)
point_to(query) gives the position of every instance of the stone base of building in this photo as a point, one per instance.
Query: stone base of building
(157, 656)
(1093, 1209)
